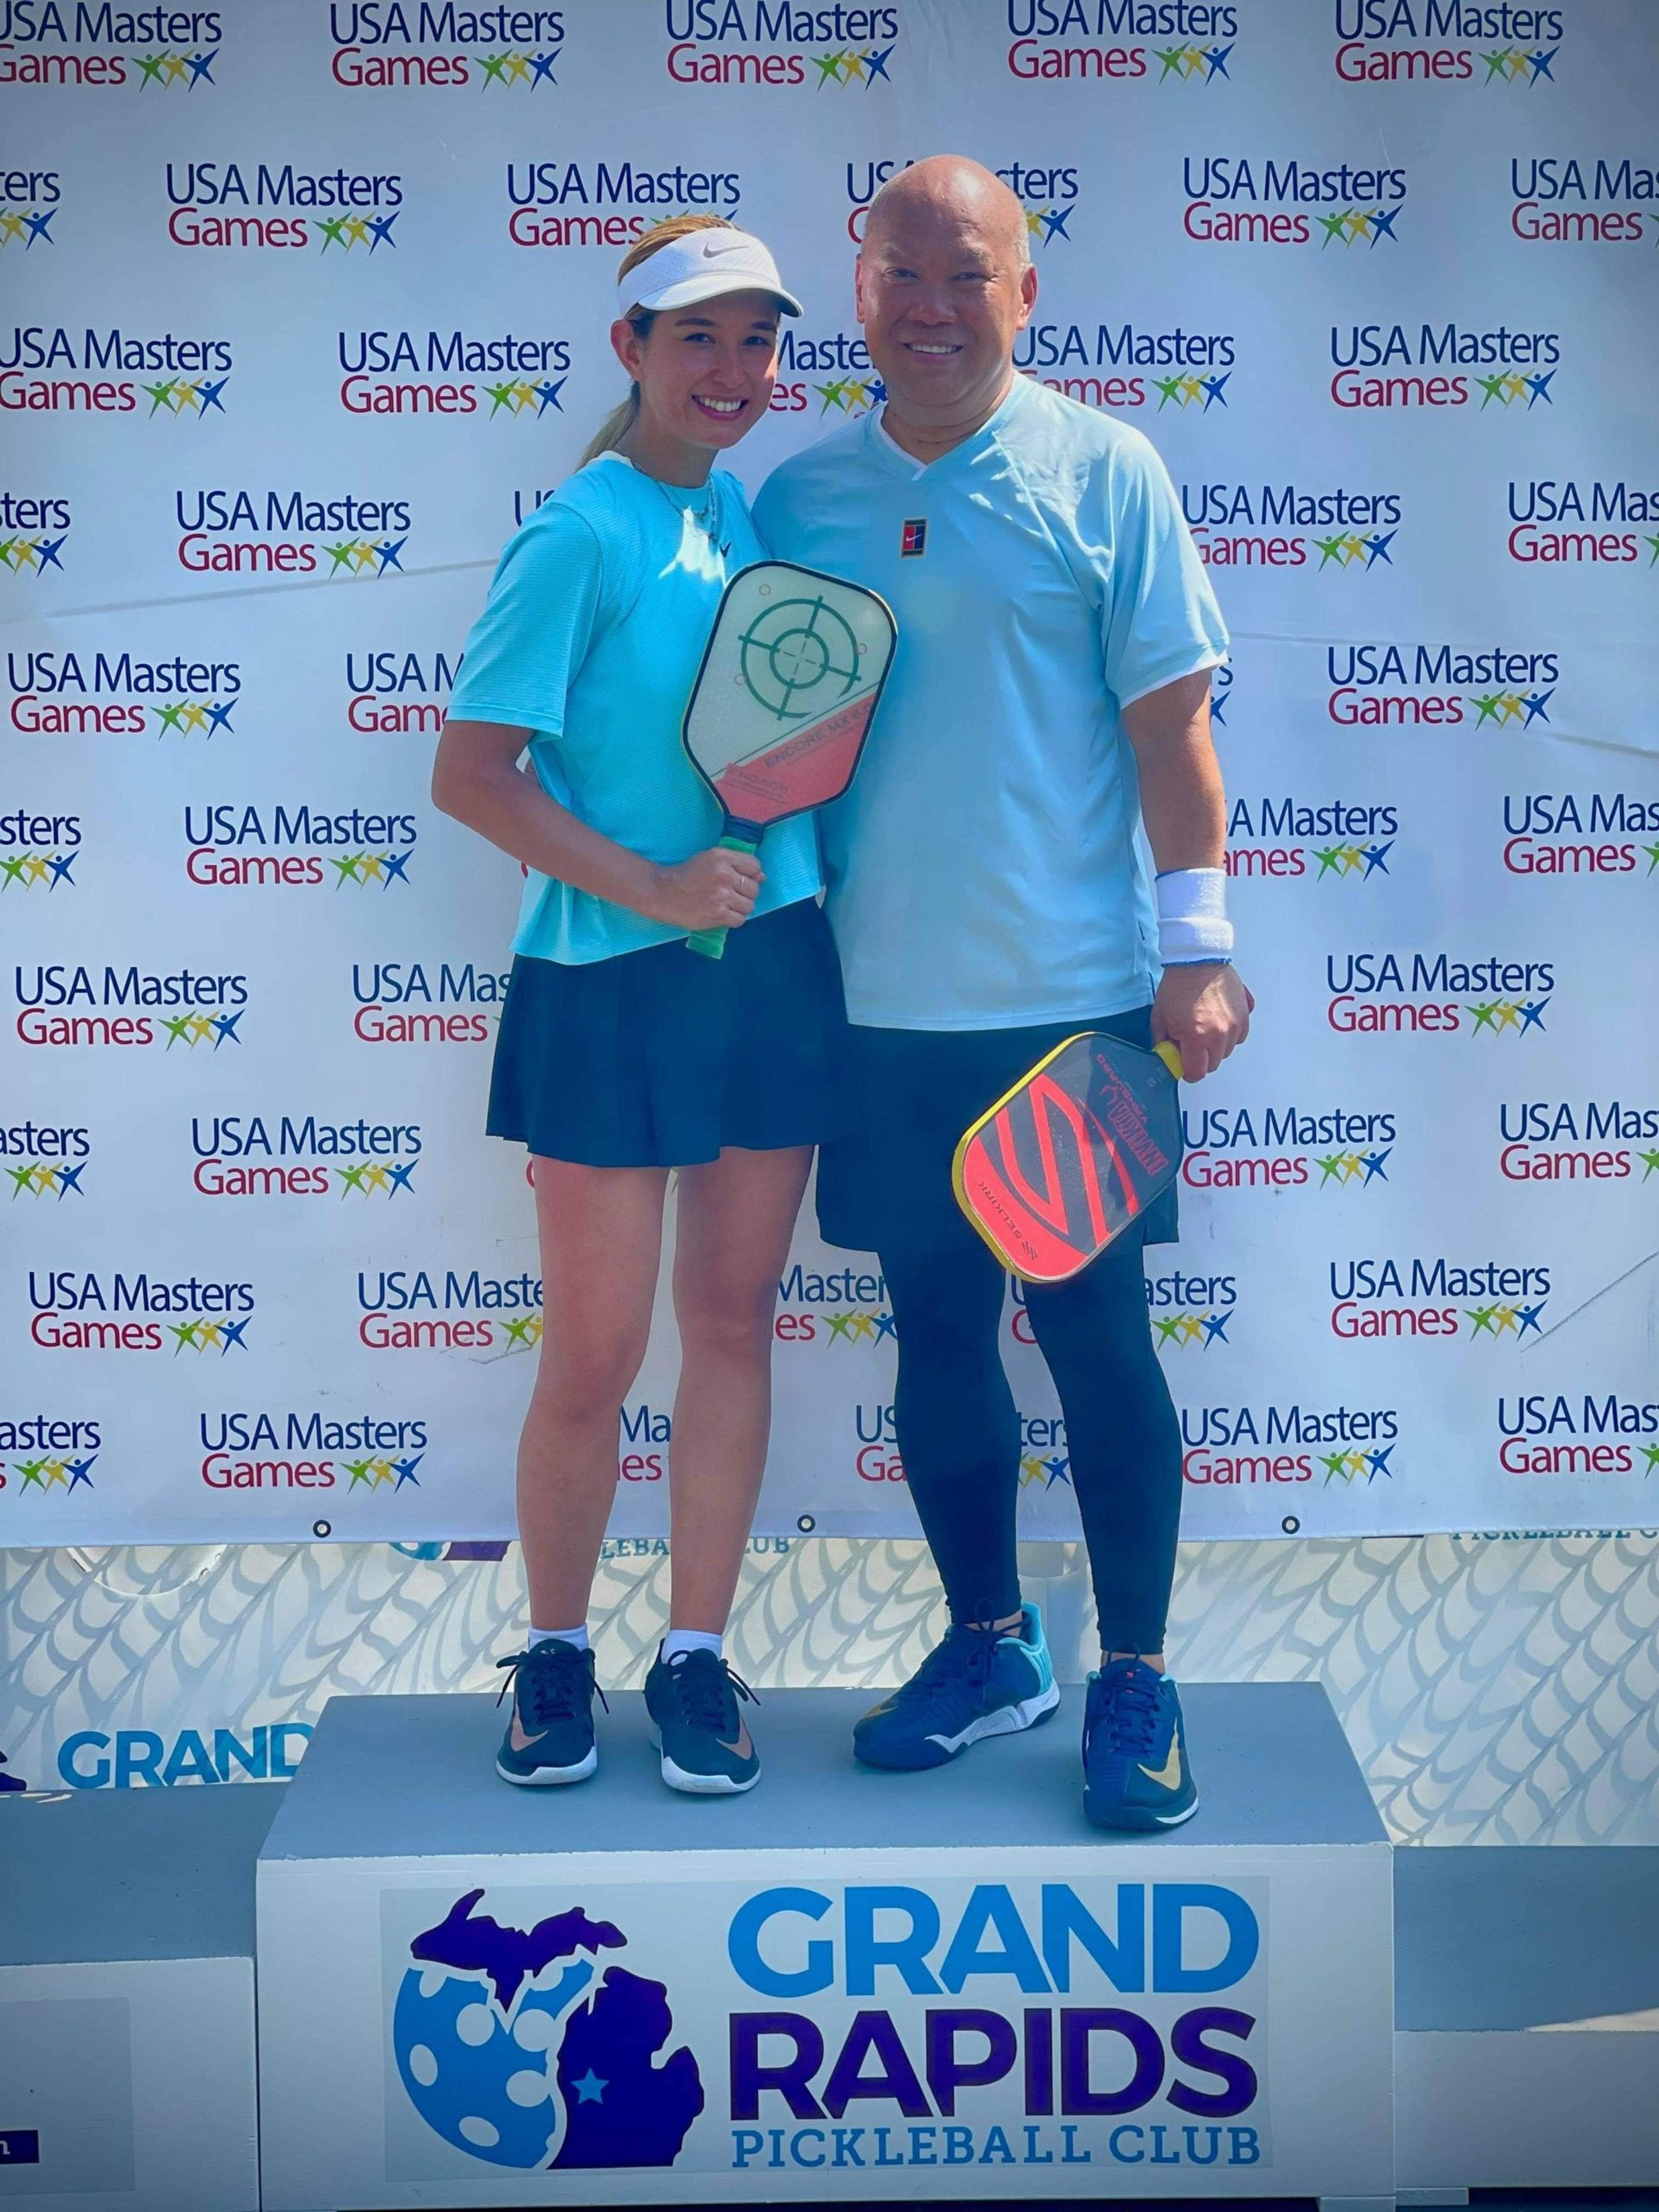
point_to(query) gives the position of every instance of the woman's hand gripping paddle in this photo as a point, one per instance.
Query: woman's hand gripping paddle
(783, 703)
(1064, 1162)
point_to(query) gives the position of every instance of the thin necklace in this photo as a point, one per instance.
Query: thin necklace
(706, 518)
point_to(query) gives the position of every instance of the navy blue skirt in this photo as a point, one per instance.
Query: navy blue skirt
(662, 1058)
(906, 1096)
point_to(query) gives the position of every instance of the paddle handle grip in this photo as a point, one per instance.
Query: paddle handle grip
(1170, 1055)
(711, 943)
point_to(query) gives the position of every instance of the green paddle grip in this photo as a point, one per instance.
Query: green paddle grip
(711, 943)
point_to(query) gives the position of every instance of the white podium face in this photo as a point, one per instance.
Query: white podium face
(897, 2025)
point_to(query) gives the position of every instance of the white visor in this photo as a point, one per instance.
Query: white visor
(703, 265)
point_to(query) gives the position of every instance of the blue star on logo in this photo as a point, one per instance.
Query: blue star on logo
(1375, 1164)
(201, 68)
(47, 551)
(886, 1325)
(1215, 1328)
(1215, 390)
(70, 1179)
(1538, 387)
(1535, 702)
(209, 395)
(80, 1471)
(589, 2089)
(1376, 548)
(1383, 222)
(60, 864)
(396, 864)
(233, 1333)
(386, 553)
(1529, 1317)
(1538, 64)
(1215, 63)
(40, 227)
(876, 62)
(1056, 1470)
(401, 1173)
(379, 229)
(1054, 221)
(547, 395)
(219, 719)
(542, 66)
(1377, 1461)
(404, 1470)
(1376, 857)
(224, 1027)
(1532, 1017)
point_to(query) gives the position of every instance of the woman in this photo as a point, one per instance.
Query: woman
(622, 1054)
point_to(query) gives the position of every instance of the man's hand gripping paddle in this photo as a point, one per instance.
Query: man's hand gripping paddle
(783, 703)
(1064, 1162)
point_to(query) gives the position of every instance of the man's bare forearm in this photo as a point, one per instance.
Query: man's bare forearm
(1182, 801)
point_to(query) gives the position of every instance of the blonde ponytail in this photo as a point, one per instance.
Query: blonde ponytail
(621, 419)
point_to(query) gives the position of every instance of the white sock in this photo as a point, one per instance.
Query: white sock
(576, 1636)
(679, 1642)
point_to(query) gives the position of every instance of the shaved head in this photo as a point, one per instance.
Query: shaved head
(950, 188)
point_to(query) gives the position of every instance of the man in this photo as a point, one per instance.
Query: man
(1050, 695)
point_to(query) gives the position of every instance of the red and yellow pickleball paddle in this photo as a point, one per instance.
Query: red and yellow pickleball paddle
(1079, 1149)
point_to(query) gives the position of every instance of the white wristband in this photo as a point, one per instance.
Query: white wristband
(1192, 916)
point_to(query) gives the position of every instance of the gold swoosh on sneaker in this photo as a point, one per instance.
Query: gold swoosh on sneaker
(743, 1747)
(519, 1740)
(1167, 1776)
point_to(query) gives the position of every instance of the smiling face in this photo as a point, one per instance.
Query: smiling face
(705, 373)
(943, 288)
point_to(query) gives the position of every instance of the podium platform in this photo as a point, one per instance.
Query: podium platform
(126, 1999)
(845, 1984)
(1527, 2017)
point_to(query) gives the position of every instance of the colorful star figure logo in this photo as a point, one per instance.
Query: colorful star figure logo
(1515, 65)
(1501, 1015)
(32, 555)
(350, 231)
(861, 66)
(1362, 1168)
(1361, 860)
(186, 395)
(379, 1473)
(361, 557)
(1182, 1329)
(850, 395)
(1347, 226)
(1349, 549)
(26, 870)
(44, 1178)
(202, 1028)
(1046, 224)
(167, 70)
(68, 1474)
(1192, 65)
(1189, 390)
(188, 718)
(217, 1334)
(1501, 706)
(27, 227)
(1507, 387)
(520, 397)
(509, 69)
(1352, 1463)
(369, 1178)
(383, 868)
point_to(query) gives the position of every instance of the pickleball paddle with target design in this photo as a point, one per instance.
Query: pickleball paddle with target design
(783, 700)
(1076, 1152)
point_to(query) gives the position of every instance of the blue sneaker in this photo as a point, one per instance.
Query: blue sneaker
(979, 1682)
(706, 1746)
(549, 1737)
(1135, 1773)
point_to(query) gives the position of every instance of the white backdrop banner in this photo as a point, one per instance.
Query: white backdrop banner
(306, 306)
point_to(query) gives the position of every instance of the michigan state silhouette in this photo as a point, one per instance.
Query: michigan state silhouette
(518, 2047)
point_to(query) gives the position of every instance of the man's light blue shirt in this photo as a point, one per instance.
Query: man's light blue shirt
(591, 637)
(983, 872)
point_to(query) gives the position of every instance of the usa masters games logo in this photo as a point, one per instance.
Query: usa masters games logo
(1341, 533)
(1502, 688)
(35, 533)
(1378, 1300)
(1558, 200)
(1124, 366)
(780, 45)
(1581, 834)
(1246, 200)
(93, 44)
(50, 370)
(252, 1156)
(60, 1005)
(1562, 523)
(837, 1308)
(1380, 365)
(47, 1452)
(824, 373)
(1382, 993)
(1157, 42)
(434, 46)
(270, 206)
(442, 1310)
(296, 847)
(1582, 1140)
(45, 1159)
(452, 373)
(1256, 1446)
(1287, 840)
(1584, 1434)
(1286, 1147)
(38, 852)
(72, 1310)
(1474, 42)
(121, 695)
(1191, 1313)
(398, 694)
(302, 1449)
(285, 533)
(1047, 192)
(29, 202)
(426, 1002)
(609, 203)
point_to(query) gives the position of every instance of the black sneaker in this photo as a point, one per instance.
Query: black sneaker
(705, 1746)
(550, 1738)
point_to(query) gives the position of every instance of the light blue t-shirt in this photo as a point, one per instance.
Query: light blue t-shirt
(591, 637)
(984, 872)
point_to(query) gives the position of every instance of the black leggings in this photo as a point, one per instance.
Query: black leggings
(958, 1431)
